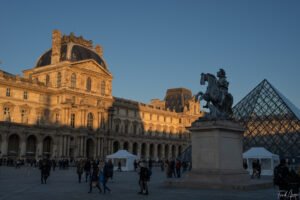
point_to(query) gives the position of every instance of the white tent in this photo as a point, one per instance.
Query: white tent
(126, 159)
(267, 160)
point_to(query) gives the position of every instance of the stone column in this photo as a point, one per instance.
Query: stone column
(130, 147)
(147, 151)
(139, 149)
(101, 147)
(95, 148)
(84, 146)
(155, 156)
(162, 152)
(61, 145)
(68, 146)
(23, 146)
(40, 148)
(176, 151)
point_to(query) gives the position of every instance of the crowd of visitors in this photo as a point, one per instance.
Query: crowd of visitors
(287, 180)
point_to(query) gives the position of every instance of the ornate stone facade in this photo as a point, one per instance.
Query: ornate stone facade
(64, 108)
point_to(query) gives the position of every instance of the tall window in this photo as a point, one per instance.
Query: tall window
(58, 83)
(90, 120)
(117, 128)
(25, 95)
(57, 118)
(126, 127)
(72, 120)
(73, 80)
(24, 117)
(88, 84)
(134, 129)
(8, 92)
(47, 79)
(6, 114)
(103, 88)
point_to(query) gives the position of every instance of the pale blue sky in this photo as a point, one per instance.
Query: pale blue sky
(151, 46)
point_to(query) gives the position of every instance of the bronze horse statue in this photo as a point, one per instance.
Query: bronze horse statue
(218, 101)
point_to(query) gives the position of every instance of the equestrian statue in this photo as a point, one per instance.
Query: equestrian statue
(218, 100)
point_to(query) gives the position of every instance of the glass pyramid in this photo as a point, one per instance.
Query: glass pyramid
(271, 121)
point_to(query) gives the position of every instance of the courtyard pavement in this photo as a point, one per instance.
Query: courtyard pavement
(24, 184)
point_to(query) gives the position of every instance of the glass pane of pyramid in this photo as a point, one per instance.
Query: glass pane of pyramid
(271, 121)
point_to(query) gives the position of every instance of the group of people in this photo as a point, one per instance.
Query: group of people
(286, 179)
(174, 168)
(96, 173)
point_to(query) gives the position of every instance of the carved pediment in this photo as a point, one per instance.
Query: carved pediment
(92, 66)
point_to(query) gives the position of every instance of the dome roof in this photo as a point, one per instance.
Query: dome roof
(71, 52)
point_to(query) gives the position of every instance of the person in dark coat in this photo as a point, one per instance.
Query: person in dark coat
(45, 168)
(104, 177)
(87, 169)
(281, 175)
(144, 178)
(80, 166)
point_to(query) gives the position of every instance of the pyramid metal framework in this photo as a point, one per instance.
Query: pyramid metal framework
(271, 121)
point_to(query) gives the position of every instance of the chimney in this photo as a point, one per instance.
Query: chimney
(56, 43)
(99, 50)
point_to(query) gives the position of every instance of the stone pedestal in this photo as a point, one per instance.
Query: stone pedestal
(216, 156)
(217, 148)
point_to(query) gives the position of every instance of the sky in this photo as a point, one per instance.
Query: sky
(151, 46)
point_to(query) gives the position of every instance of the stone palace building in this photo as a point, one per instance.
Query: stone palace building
(64, 108)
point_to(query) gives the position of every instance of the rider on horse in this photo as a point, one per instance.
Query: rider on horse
(222, 84)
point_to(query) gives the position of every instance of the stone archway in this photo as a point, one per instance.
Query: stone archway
(159, 151)
(151, 151)
(116, 146)
(143, 151)
(126, 146)
(179, 150)
(135, 148)
(13, 145)
(31, 146)
(90, 148)
(72, 147)
(47, 146)
(173, 152)
(166, 151)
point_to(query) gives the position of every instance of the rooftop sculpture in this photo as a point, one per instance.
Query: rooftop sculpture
(218, 100)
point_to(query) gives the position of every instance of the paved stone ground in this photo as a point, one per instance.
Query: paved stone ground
(24, 184)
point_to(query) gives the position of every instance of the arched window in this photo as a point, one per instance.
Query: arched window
(88, 84)
(90, 120)
(103, 88)
(73, 80)
(58, 83)
(47, 79)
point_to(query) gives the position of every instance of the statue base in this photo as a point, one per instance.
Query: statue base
(216, 156)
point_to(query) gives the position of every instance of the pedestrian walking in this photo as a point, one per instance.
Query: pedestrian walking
(144, 178)
(104, 175)
(94, 180)
(80, 167)
(45, 168)
(87, 169)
